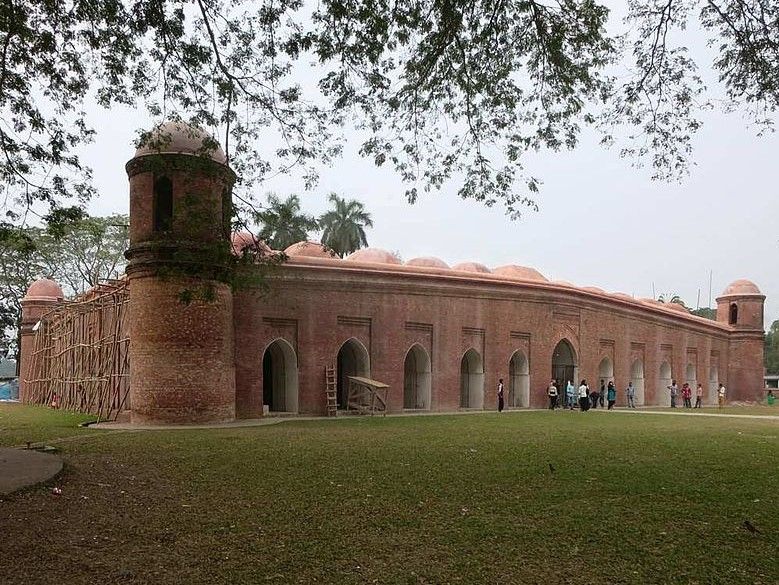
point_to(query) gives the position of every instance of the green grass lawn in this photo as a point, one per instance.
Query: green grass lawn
(440, 499)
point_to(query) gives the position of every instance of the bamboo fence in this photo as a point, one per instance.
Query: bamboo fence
(80, 357)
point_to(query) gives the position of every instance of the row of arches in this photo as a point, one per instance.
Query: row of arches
(280, 375)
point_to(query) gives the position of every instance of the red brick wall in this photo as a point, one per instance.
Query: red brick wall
(316, 309)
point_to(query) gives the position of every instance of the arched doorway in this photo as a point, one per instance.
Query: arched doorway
(691, 377)
(564, 365)
(713, 384)
(416, 379)
(663, 382)
(471, 380)
(637, 377)
(605, 372)
(280, 377)
(519, 381)
(353, 360)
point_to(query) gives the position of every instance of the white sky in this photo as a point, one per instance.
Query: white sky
(602, 223)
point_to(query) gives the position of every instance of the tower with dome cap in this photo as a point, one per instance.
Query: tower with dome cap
(741, 307)
(42, 296)
(181, 308)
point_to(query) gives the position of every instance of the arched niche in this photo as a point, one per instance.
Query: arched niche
(416, 379)
(280, 377)
(605, 371)
(471, 380)
(664, 380)
(519, 381)
(352, 360)
(733, 314)
(637, 377)
(691, 377)
(713, 384)
(564, 364)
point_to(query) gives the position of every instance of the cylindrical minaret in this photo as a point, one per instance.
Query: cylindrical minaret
(42, 296)
(741, 307)
(181, 307)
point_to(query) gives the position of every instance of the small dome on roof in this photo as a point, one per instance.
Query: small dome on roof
(373, 255)
(676, 307)
(520, 272)
(243, 240)
(651, 301)
(563, 283)
(180, 138)
(623, 296)
(44, 289)
(427, 262)
(309, 250)
(594, 289)
(741, 287)
(471, 267)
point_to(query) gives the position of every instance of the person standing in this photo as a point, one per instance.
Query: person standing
(570, 393)
(584, 396)
(611, 395)
(674, 392)
(602, 393)
(699, 396)
(552, 391)
(687, 395)
(594, 399)
(721, 395)
(631, 394)
(500, 395)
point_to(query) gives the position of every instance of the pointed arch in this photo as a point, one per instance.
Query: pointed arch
(471, 380)
(519, 380)
(605, 371)
(713, 383)
(664, 380)
(637, 377)
(352, 359)
(280, 376)
(416, 379)
(691, 376)
(565, 364)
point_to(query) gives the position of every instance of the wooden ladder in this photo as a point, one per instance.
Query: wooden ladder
(331, 391)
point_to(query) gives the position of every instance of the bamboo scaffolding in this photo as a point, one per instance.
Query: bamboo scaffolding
(80, 354)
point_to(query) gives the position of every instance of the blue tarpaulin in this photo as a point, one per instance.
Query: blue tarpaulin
(9, 390)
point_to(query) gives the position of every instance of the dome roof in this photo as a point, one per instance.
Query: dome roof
(563, 283)
(242, 240)
(623, 296)
(180, 138)
(594, 289)
(471, 267)
(676, 307)
(520, 272)
(44, 289)
(373, 255)
(309, 250)
(741, 287)
(427, 262)
(651, 301)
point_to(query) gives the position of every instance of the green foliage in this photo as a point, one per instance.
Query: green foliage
(771, 349)
(706, 312)
(282, 223)
(75, 250)
(456, 91)
(344, 225)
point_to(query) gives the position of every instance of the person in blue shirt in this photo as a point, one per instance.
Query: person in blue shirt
(570, 392)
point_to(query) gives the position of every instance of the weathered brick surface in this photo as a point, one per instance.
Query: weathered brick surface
(317, 306)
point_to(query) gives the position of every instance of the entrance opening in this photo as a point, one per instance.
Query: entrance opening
(280, 377)
(416, 379)
(713, 384)
(663, 383)
(637, 377)
(471, 380)
(519, 381)
(733, 320)
(162, 206)
(564, 365)
(353, 360)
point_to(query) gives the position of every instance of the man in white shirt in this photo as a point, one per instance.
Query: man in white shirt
(721, 395)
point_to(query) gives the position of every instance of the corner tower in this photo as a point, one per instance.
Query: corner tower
(741, 307)
(42, 296)
(181, 308)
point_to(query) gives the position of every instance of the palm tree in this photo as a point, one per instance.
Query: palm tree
(283, 223)
(344, 225)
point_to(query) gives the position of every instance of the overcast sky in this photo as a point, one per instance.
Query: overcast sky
(601, 223)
